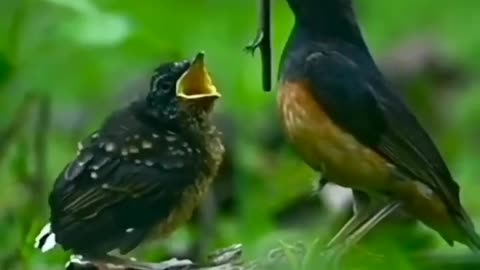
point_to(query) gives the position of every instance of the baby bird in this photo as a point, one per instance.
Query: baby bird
(143, 171)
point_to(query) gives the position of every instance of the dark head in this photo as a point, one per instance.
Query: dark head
(334, 19)
(301, 4)
(182, 91)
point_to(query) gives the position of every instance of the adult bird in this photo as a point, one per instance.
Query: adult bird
(142, 172)
(345, 121)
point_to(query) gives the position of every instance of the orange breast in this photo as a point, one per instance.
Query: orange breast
(347, 162)
(325, 146)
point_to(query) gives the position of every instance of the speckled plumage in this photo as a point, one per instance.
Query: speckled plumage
(143, 170)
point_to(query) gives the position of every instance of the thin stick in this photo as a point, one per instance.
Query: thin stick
(224, 259)
(263, 41)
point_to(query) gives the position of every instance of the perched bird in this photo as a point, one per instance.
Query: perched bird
(143, 171)
(345, 121)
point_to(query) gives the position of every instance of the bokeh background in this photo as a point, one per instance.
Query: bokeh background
(66, 64)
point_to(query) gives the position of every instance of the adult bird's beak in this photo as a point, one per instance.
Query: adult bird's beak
(196, 82)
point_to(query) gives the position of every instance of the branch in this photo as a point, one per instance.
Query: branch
(284, 257)
(224, 259)
(229, 258)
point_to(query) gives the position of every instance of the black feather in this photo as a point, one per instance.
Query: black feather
(132, 173)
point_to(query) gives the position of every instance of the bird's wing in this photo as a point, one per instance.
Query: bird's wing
(357, 99)
(116, 186)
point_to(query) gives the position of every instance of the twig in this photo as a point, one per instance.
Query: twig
(263, 41)
(280, 258)
(224, 259)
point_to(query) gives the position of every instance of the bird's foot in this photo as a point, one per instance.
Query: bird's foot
(255, 44)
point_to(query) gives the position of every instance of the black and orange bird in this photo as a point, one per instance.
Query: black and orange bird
(346, 122)
(143, 172)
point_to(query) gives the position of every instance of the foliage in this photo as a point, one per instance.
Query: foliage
(89, 57)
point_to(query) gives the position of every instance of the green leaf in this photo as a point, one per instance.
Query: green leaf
(91, 26)
(80, 6)
(98, 29)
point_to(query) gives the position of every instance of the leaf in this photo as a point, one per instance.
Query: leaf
(92, 26)
(98, 29)
(80, 6)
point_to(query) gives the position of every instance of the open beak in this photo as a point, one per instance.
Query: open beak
(196, 82)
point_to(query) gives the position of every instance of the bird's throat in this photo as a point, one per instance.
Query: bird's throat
(323, 22)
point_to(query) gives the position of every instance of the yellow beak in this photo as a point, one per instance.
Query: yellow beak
(196, 82)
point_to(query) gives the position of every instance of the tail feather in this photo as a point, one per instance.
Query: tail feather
(472, 239)
(45, 240)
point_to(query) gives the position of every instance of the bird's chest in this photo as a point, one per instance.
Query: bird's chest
(191, 197)
(325, 146)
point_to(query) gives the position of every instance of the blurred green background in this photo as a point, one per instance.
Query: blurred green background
(66, 64)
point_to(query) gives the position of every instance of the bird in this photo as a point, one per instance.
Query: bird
(347, 123)
(142, 172)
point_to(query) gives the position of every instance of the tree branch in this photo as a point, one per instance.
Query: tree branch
(279, 258)
(224, 259)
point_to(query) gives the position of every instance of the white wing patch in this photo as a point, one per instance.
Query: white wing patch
(45, 240)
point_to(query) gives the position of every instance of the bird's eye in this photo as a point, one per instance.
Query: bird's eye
(164, 86)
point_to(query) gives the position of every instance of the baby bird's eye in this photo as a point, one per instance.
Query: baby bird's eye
(164, 86)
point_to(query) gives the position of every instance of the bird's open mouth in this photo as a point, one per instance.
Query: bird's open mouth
(196, 82)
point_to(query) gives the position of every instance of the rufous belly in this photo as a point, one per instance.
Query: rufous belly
(346, 162)
(326, 147)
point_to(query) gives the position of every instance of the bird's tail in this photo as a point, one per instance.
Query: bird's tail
(45, 240)
(472, 239)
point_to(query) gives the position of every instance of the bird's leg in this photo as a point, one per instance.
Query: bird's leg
(353, 224)
(336, 253)
(356, 236)
(363, 209)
